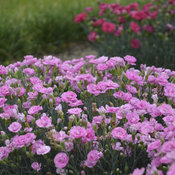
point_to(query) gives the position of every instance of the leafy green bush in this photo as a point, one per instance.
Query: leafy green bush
(146, 32)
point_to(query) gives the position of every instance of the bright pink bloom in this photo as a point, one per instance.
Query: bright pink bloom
(138, 15)
(98, 22)
(14, 127)
(80, 17)
(119, 133)
(61, 160)
(89, 9)
(92, 36)
(148, 28)
(108, 27)
(135, 27)
(135, 43)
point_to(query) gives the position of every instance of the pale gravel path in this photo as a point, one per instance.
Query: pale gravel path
(77, 50)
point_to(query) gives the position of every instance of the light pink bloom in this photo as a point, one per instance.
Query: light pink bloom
(168, 146)
(3, 70)
(61, 160)
(42, 150)
(92, 158)
(32, 95)
(75, 111)
(29, 71)
(77, 132)
(14, 127)
(133, 118)
(4, 152)
(37, 144)
(130, 59)
(101, 59)
(20, 91)
(146, 128)
(90, 135)
(93, 89)
(5, 90)
(131, 89)
(165, 109)
(154, 145)
(138, 171)
(60, 136)
(122, 95)
(102, 67)
(44, 121)
(68, 146)
(22, 140)
(132, 75)
(119, 133)
(2, 101)
(35, 110)
(171, 170)
(69, 97)
(36, 166)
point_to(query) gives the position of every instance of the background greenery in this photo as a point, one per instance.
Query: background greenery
(40, 27)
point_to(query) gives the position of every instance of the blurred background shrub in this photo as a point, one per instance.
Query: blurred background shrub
(40, 27)
(143, 30)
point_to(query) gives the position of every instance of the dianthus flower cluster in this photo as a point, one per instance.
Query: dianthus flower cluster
(86, 116)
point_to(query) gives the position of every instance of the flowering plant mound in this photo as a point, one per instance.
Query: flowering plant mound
(147, 31)
(86, 116)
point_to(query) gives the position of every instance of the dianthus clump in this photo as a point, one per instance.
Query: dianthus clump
(86, 116)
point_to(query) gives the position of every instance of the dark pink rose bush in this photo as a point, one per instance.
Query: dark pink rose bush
(117, 29)
(86, 116)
